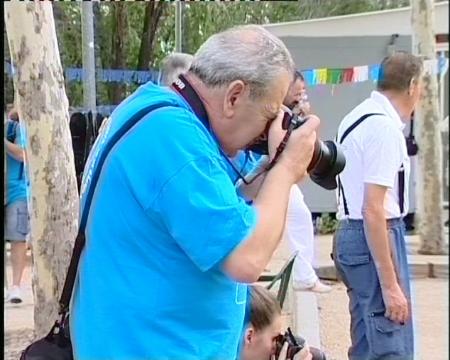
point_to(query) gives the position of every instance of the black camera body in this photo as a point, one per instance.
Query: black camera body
(327, 161)
(295, 344)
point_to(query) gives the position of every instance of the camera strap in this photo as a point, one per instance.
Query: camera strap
(401, 172)
(81, 238)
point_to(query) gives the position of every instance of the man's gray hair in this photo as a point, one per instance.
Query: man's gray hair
(174, 65)
(249, 53)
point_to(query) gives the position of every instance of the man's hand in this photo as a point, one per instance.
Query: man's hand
(396, 304)
(379, 244)
(299, 149)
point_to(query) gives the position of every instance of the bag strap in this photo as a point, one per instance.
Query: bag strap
(344, 135)
(81, 239)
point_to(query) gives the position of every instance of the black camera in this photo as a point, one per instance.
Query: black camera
(327, 161)
(295, 344)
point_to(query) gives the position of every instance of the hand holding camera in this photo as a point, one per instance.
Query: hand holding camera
(299, 149)
(291, 347)
(292, 136)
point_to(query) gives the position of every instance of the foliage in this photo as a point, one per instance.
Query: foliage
(326, 224)
(200, 19)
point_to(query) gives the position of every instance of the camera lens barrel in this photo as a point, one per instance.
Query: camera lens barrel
(327, 162)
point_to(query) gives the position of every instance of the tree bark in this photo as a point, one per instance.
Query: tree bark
(154, 10)
(119, 38)
(429, 177)
(43, 108)
(97, 30)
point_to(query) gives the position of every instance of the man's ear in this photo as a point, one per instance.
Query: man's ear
(233, 94)
(249, 334)
(412, 86)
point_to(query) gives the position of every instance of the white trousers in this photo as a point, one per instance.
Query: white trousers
(299, 233)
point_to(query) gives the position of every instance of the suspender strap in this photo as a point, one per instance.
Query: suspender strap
(344, 135)
(401, 189)
(81, 239)
(344, 201)
(355, 124)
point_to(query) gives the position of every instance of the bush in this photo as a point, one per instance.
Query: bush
(326, 224)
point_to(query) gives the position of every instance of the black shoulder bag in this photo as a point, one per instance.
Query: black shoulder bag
(411, 144)
(56, 345)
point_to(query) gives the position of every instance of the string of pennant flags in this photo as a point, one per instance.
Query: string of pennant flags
(326, 76)
(321, 76)
(105, 75)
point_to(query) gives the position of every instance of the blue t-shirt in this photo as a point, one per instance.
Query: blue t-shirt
(16, 188)
(164, 216)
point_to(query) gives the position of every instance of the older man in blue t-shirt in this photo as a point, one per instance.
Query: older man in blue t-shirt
(170, 242)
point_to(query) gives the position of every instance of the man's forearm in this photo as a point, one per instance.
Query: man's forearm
(14, 150)
(249, 191)
(248, 261)
(378, 241)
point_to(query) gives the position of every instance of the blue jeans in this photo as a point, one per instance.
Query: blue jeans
(373, 336)
(17, 222)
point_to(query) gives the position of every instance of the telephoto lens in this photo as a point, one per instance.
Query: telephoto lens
(327, 161)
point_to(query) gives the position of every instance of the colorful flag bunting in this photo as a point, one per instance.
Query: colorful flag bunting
(329, 76)
(348, 75)
(335, 76)
(321, 76)
(373, 72)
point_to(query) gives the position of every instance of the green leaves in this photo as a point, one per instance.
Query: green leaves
(200, 20)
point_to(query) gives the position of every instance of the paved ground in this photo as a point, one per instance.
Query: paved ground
(18, 320)
(430, 304)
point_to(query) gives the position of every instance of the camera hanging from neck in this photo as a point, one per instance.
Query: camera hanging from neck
(184, 88)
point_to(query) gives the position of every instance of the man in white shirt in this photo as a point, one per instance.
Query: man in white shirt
(369, 247)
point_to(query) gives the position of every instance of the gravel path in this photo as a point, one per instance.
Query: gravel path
(16, 341)
(430, 306)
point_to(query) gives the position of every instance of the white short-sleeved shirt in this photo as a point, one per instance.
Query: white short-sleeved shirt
(375, 151)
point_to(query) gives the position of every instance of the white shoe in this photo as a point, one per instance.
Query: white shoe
(14, 295)
(317, 287)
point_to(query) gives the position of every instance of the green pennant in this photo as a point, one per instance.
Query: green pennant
(335, 76)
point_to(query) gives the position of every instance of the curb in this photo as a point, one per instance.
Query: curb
(416, 270)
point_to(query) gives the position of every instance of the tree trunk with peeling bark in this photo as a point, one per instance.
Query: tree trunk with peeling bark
(43, 107)
(429, 176)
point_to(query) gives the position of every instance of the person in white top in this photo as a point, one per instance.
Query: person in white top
(299, 229)
(369, 247)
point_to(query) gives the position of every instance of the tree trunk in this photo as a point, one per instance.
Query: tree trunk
(119, 38)
(43, 108)
(5, 194)
(98, 60)
(429, 178)
(154, 11)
